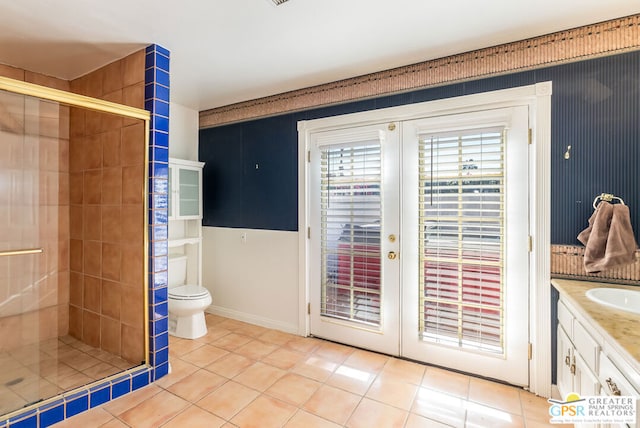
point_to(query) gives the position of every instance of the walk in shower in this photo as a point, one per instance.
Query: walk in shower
(73, 241)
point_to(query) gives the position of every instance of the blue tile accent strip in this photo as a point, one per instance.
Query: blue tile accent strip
(156, 92)
(51, 416)
(76, 405)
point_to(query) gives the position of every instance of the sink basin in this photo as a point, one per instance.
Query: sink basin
(624, 299)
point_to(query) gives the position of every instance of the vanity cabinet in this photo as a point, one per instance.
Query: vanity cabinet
(587, 362)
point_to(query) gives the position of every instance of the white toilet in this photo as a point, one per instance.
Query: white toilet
(186, 302)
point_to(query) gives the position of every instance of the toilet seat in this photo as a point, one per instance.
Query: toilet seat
(188, 292)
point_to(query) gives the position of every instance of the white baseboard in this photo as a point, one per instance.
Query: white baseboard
(252, 319)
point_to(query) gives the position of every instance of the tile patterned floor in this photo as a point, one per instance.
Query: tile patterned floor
(240, 375)
(45, 369)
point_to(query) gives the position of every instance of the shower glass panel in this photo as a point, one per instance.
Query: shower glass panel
(72, 247)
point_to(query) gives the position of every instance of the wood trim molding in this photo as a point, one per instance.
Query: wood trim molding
(601, 39)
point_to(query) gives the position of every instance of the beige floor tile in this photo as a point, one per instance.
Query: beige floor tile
(213, 334)
(93, 418)
(294, 389)
(284, 358)
(259, 376)
(179, 347)
(204, 355)
(303, 344)
(155, 411)
(404, 371)
(304, 419)
(351, 379)
(393, 392)
(334, 352)
(126, 402)
(440, 407)
(264, 412)
(365, 360)
(74, 381)
(371, 413)
(179, 370)
(251, 330)
(232, 341)
(481, 416)
(256, 349)
(197, 385)
(228, 400)
(115, 423)
(492, 394)
(231, 324)
(230, 365)
(315, 368)
(332, 403)
(417, 421)
(276, 337)
(195, 417)
(534, 408)
(446, 381)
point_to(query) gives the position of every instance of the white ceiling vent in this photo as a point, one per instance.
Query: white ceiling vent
(279, 2)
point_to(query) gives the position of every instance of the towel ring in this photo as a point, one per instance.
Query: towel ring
(607, 197)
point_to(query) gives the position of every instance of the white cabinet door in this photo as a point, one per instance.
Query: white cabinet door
(185, 184)
(566, 357)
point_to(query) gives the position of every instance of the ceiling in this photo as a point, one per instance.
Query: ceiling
(226, 51)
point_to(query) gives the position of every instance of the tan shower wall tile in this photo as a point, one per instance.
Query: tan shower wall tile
(132, 221)
(111, 148)
(111, 261)
(111, 299)
(132, 149)
(114, 97)
(131, 265)
(44, 80)
(133, 68)
(75, 321)
(92, 258)
(132, 184)
(110, 335)
(112, 77)
(92, 293)
(131, 306)
(92, 151)
(76, 288)
(133, 96)
(91, 328)
(112, 186)
(92, 222)
(12, 72)
(76, 255)
(92, 187)
(76, 186)
(132, 343)
(111, 224)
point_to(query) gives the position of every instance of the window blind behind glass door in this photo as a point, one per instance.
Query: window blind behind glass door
(461, 220)
(351, 211)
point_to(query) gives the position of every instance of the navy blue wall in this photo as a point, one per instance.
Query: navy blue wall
(595, 109)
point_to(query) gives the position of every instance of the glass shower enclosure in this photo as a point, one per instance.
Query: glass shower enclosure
(73, 246)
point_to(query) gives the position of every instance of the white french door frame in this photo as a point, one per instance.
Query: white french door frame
(537, 98)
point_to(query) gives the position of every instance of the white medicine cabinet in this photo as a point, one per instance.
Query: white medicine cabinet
(185, 214)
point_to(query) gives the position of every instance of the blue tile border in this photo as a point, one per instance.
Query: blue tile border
(157, 83)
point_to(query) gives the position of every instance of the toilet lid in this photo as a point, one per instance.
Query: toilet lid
(185, 292)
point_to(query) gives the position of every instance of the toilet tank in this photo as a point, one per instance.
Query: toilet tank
(177, 269)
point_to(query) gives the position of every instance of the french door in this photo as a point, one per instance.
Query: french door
(354, 202)
(419, 240)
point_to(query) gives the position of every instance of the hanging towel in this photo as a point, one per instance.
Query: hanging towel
(609, 240)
